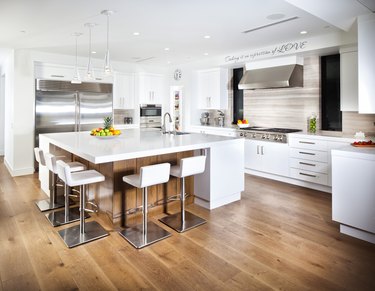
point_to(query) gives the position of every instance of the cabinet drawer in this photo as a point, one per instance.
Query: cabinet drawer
(306, 143)
(313, 166)
(305, 154)
(309, 176)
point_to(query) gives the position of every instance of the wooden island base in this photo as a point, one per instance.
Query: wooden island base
(122, 201)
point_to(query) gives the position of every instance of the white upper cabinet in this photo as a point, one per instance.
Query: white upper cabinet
(212, 89)
(124, 91)
(151, 88)
(66, 73)
(349, 79)
(366, 63)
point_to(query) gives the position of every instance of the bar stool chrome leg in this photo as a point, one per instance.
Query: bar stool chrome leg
(147, 233)
(67, 215)
(183, 220)
(51, 203)
(84, 232)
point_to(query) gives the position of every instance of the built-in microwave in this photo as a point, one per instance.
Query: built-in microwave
(150, 110)
(150, 115)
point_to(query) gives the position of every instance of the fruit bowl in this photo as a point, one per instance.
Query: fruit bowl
(243, 125)
(107, 136)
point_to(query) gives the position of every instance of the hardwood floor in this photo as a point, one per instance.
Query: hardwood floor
(278, 236)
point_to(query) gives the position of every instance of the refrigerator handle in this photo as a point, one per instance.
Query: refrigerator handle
(78, 113)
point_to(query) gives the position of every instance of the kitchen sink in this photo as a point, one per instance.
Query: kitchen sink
(177, 133)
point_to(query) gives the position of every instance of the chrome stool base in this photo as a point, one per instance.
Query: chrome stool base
(175, 221)
(46, 205)
(138, 239)
(57, 218)
(72, 236)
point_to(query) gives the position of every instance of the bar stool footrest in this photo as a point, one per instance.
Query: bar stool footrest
(46, 205)
(136, 238)
(72, 236)
(174, 221)
(57, 218)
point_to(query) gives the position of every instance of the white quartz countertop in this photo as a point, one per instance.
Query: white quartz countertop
(350, 151)
(325, 135)
(132, 143)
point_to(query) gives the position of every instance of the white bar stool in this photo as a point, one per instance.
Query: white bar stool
(67, 215)
(51, 203)
(185, 220)
(148, 232)
(84, 232)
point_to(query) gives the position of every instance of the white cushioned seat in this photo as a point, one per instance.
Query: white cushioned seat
(50, 162)
(149, 175)
(189, 166)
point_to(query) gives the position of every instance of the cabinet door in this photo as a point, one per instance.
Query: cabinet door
(253, 155)
(157, 89)
(349, 81)
(212, 91)
(204, 79)
(151, 88)
(275, 158)
(51, 72)
(123, 91)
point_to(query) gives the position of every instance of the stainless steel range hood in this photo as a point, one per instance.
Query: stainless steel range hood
(273, 73)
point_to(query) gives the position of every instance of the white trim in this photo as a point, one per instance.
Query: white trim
(357, 233)
(18, 172)
(314, 186)
(219, 202)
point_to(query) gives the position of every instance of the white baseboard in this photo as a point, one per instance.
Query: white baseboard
(310, 185)
(358, 233)
(18, 172)
(218, 202)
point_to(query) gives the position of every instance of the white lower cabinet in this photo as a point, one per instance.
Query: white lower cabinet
(310, 159)
(269, 157)
(215, 131)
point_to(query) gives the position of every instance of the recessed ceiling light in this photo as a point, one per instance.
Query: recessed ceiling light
(303, 32)
(93, 52)
(168, 62)
(136, 33)
(166, 49)
(275, 16)
(207, 36)
(206, 54)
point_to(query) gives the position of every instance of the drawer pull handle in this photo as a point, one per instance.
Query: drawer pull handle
(307, 164)
(57, 76)
(307, 142)
(303, 174)
(305, 153)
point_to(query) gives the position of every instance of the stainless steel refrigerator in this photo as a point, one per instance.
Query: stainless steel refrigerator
(64, 107)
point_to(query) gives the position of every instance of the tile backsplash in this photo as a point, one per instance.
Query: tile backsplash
(120, 114)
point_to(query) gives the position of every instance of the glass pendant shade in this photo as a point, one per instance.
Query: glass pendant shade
(76, 77)
(107, 61)
(90, 71)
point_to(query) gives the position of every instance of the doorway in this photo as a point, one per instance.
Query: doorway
(2, 113)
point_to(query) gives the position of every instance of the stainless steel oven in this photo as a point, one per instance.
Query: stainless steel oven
(150, 115)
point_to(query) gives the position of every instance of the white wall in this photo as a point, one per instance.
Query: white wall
(2, 112)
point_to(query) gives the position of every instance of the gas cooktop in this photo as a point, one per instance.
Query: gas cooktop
(273, 134)
(271, 129)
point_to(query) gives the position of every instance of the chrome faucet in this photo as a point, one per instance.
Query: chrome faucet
(164, 128)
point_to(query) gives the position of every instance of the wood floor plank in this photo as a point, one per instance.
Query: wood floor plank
(277, 237)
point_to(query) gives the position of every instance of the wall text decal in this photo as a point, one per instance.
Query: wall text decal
(284, 48)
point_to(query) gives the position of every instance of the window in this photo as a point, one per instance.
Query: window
(237, 95)
(331, 117)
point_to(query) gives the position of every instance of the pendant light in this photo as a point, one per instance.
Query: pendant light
(90, 72)
(76, 77)
(107, 61)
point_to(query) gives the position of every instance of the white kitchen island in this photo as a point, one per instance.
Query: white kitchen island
(220, 184)
(353, 191)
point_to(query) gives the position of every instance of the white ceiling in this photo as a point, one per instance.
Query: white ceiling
(47, 25)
